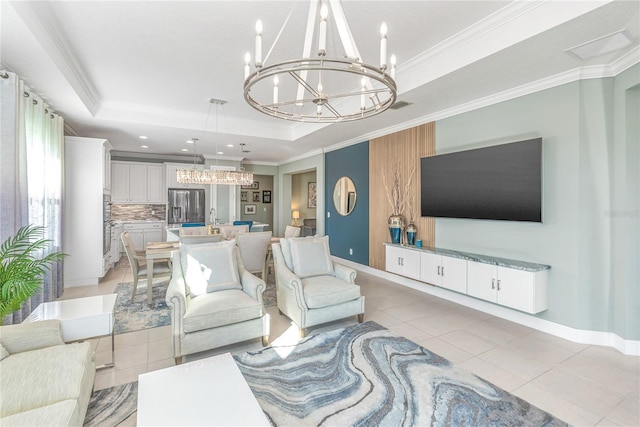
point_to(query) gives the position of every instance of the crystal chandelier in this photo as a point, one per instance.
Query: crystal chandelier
(212, 176)
(321, 89)
(220, 177)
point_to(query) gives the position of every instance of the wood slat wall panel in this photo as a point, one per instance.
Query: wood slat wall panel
(405, 148)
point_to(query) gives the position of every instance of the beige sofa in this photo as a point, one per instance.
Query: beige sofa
(43, 381)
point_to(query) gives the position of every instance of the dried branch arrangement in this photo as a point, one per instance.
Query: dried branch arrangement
(397, 195)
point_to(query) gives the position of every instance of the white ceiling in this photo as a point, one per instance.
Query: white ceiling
(120, 69)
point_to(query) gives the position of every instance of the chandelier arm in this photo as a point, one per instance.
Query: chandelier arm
(303, 83)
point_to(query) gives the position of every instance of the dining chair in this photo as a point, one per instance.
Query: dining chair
(138, 262)
(249, 223)
(253, 250)
(231, 231)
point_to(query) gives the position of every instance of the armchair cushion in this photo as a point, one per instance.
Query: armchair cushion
(3, 352)
(211, 267)
(220, 308)
(311, 257)
(325, 291)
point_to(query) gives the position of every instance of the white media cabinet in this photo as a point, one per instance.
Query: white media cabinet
(516, 284)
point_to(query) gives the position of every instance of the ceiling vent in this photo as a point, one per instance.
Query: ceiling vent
(601, 46)
(400, 104)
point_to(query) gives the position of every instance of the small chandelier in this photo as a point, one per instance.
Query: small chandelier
(216, 176)
(321, 89)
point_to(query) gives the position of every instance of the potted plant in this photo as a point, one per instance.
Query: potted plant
(22, 267)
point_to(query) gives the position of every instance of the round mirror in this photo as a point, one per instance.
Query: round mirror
(344, 196)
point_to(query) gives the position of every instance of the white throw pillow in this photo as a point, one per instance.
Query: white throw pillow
(311, 257)
(212, 267)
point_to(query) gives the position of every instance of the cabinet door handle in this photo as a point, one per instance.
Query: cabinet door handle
(498, 284)
(442, 271)
(402, 262)
(438, 270)
(493, 283)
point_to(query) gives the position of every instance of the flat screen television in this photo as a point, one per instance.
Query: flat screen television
(501, 182)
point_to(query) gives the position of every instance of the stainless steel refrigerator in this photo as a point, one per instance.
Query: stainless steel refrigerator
(185, 206)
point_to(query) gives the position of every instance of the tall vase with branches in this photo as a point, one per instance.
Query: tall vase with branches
(22, 267)
(398, 196)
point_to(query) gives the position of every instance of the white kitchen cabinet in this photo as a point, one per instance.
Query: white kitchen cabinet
(444, 271)
(133, 182)
(405, 262)
(171, 177)
(145, 232)
(519, 289)
(83, 222)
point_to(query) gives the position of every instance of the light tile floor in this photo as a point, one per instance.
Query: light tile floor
(581, 384)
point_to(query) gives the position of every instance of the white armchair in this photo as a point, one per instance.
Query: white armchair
(214, 301)
(311, 289)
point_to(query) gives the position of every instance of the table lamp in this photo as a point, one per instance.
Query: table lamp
(296, 216)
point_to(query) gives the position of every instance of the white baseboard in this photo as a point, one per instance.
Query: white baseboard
(610, 339)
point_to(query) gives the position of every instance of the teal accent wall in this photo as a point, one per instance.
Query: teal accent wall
(351, 231)
(591, 192)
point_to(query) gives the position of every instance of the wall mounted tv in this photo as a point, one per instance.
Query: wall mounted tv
(502, 182)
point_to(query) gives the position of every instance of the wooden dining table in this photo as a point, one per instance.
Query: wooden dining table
(157, 251)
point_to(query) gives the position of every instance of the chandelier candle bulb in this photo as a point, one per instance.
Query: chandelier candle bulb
(259, 43)
(363, 87)
(322, 39)
(247, 68)
(275, 89)
(383, 46)
(392, 60)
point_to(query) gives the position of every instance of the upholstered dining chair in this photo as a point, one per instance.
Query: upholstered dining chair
(231, 231)
(253, 250)
(138, 262)
(291, 231)
(214, 300)
(311, 289)
(249, 223)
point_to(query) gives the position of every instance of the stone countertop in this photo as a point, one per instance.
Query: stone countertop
(485, 259)
(138, 221)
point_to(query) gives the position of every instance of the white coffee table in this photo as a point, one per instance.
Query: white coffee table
(209, 392)
(81, 318)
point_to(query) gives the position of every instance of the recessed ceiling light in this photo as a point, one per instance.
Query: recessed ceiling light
(601, 46)
(143, 137)
(144, 146)
(230, 145)
(184, 149)
(189, 141)
(220, 152)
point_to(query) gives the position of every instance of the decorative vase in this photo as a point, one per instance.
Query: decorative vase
(396, 225)
(412, 231)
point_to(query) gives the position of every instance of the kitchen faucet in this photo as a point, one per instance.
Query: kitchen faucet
(213, 218)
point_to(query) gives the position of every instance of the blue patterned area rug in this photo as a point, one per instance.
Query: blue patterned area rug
(115, 406)
(366, 375)
(136, 315)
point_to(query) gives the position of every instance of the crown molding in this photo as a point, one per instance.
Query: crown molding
(498, 31)
(581, 73)
(301, 157)
(43, 23)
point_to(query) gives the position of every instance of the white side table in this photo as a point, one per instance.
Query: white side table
(81, 318)
(209, 391)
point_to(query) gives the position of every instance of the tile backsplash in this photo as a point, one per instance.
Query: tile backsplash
(122, 212)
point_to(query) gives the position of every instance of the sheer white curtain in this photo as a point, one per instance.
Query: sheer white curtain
(31, 176)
